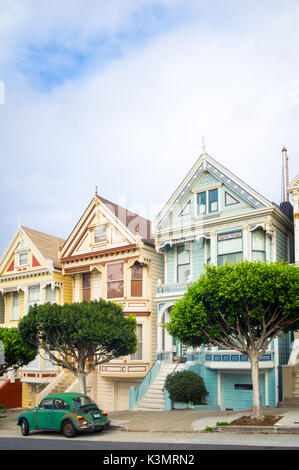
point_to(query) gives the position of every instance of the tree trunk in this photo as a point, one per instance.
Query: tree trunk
(257, 414)
(82, 382)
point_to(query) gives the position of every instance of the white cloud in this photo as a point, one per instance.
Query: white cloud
(134, 127)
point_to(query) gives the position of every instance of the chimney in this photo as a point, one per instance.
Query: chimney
(285, 205)
(285, 176)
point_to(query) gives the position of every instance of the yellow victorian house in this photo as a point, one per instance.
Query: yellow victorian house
(30, 273)
(110, 254)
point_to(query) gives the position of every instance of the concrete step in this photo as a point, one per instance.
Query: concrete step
(152, 400)
(289, 402)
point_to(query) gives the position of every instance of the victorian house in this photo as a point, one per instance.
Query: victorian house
(212, 218)
(30, 273)
(110, 254)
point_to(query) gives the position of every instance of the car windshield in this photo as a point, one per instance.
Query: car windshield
(85, 401)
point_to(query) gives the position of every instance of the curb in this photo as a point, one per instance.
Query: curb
(258, 429)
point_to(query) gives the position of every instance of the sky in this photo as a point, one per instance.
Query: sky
(118, 94)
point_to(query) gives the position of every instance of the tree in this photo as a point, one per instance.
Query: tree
(242, 307)
(80, 334)
(13, 352)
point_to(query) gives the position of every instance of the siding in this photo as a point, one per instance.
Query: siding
(96, 285)
(77, 288)
(198, 259)
(170, 265)
(281, 245)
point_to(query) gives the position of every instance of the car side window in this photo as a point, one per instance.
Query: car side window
(46, 405)
(60, 404)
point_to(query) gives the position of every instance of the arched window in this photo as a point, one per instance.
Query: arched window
(136, 280)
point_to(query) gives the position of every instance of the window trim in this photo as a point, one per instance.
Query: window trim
(23, 252)
(140, 280)
(182, 264)
(115, 280)
(101, 242)
(15, 308)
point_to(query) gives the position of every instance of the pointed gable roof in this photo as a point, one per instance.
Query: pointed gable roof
(205, 163)
(48, 245)
(137, 224)
(128, 224)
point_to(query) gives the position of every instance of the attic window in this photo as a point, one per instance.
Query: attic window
(100, 234)
(23, 258)
(230, 200)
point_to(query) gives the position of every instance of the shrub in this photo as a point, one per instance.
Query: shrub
(186, 386)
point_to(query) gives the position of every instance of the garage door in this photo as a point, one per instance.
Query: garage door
(237, 391)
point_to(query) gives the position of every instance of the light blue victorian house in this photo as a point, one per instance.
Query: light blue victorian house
(213, 217)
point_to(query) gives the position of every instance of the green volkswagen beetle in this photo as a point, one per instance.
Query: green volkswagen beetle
(68, 413)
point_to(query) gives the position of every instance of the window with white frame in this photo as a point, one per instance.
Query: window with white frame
(33, 295)
(258, 252)
(100, 234)
(51, 294)
(201, 203)
(23, 258)
(230, 247)
(15, 306)
(137, 356)
(183, 263)
(207, 201)
(213, 200)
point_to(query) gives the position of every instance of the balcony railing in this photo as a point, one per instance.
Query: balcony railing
(172, 288)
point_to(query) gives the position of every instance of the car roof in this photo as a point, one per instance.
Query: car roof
(65, 395)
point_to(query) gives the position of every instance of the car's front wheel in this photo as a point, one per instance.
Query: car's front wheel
(24, 427)
(68, 429)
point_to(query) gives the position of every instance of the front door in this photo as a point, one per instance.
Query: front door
(44, 417)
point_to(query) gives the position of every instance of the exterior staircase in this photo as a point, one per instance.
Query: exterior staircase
(293, 400)
(58, 385)
(153, 400)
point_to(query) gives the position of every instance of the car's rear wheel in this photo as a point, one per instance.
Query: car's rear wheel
(24, 427)
(68, 429)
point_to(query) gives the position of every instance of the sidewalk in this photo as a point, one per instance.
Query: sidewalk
(196, 421)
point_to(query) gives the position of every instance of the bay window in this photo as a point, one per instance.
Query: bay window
(258, 252)
(86, 288)
(136, 280)
(115, 280)
(15, 306)
(183, 264)
(230, 248)
(33, 295)
(137, 356)
(50, 294)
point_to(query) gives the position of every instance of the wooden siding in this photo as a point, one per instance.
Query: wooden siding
(96, 285)
(281, 245)
(198, 260)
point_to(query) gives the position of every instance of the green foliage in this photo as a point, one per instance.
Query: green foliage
(185, 386)
(222, 423)
(230, 303)
(83, 329)
(16, 352)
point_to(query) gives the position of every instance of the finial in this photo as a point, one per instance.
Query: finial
(203, 140)
(96, 191)
(19, 222)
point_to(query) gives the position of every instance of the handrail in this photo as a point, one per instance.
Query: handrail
(136, 394)
(171, 373)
